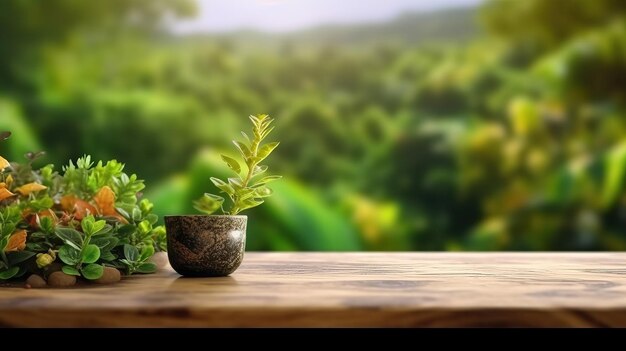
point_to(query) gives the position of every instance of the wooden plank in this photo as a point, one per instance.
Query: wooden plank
(350, 289)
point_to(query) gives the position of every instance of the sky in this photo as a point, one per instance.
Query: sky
(289, 15)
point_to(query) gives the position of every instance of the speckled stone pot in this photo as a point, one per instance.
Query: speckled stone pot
(205, 246)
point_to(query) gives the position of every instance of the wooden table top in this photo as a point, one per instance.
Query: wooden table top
(349, 289)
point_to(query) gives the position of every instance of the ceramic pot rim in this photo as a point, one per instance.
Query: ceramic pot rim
(207, 216)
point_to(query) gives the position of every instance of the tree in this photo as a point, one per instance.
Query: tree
(27, 26)
(536, 26)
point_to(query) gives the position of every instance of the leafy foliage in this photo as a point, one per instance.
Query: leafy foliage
(87, 218)
(247, 189)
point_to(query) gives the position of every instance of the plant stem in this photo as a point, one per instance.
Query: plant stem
(253, 151)
(251, 166)
(82, 249)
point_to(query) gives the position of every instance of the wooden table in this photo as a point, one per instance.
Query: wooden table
(350, 289)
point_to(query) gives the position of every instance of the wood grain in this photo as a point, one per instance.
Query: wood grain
(350, 289)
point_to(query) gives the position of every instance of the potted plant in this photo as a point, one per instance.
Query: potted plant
(88, 223)
(213, 245)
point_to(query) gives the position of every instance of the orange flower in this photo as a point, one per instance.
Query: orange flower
(105, 201)
(26, 189)
(17, 241)
(5, 194)
(78, 207)
(3, 163)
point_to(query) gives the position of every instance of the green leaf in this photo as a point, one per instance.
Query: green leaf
(266, 180)
(255, 120)
(208, 203)
(4, 242)
(266, 132)
(243, 149)
(245, 136)
(70, 237)
(69, 255)
(8, 229)
(152, 218)
(126, 230)
(258, 170)
(146, 206)
(21, 272)
(41, 204)
(249, 203)
(88, 225)
(106, 230)
(19, 257)
(37, 247)
(100, 227)
(223, 186)
(112, 243)
(105, 243)
(46, 224)
(92, 271)
(146, 267)
(235, 183)
(232, 163)
(136, 214)
(37, 235)
(144, 227)
(266, 150)
(91, 253)
(246, 193)
(9, 273)
(107, 256)
(146, 252)
(263, 191)
(123, 212)
(131, 253)
(69, 270)
(100, 242)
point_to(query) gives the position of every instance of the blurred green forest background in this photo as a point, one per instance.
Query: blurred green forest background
(497, 127)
